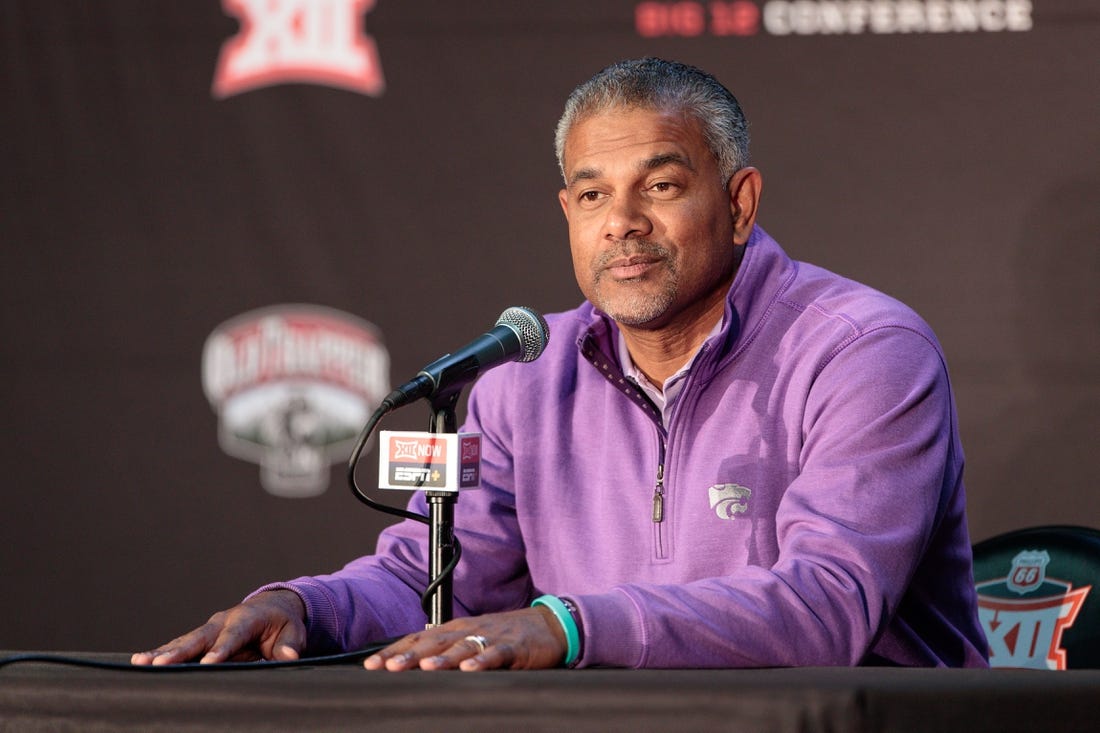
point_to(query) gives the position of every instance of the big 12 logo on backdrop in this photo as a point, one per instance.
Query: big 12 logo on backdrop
(307, 41)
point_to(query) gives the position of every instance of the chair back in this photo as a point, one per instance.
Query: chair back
(1039, 597)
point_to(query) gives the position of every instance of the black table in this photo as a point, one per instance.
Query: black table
(36, 696)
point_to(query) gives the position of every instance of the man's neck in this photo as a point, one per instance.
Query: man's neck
(660, 353)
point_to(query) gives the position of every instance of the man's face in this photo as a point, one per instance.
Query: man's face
(651, 227)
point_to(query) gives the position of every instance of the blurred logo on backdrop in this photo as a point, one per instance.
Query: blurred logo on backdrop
(292, 386)
(299, 41)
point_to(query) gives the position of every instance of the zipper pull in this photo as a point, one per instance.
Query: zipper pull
(659, 495)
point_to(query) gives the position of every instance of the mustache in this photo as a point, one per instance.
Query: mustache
(625, 249)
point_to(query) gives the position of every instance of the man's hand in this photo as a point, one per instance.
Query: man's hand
(270, 625)
(530, 638)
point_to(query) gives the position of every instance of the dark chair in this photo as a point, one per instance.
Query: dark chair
(1039, 597)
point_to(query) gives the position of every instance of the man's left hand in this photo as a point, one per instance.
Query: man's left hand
(530, 638)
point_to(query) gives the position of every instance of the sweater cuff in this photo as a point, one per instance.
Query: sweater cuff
(322, 620)
(613, 632)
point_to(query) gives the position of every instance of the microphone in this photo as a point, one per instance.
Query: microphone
(520, 334)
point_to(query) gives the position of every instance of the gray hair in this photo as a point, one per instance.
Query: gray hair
(656, 84)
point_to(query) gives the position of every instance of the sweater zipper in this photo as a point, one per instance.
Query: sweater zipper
(659, 495)
(658, 515)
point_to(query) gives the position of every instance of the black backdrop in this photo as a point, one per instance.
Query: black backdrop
(956, 170)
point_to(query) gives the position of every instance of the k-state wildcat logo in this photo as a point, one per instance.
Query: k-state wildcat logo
(729, 500)
(309, 41)
(1025, 614)
(293, 385)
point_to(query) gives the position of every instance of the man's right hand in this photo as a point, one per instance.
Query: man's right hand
(270, 625)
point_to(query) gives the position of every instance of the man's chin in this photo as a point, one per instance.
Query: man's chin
(647, 315)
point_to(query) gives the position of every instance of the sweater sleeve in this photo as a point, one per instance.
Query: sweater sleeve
(879, 469)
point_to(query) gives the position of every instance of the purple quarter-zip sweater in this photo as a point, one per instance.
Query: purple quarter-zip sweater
(804, 504)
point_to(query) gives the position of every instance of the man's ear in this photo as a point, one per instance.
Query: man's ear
(564, 201)
(744, 190)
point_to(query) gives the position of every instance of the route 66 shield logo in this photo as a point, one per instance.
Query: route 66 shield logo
(1028, 571)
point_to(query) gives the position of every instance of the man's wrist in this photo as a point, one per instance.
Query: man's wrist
(567, 617)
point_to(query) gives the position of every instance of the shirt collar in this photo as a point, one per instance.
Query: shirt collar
(662, 398)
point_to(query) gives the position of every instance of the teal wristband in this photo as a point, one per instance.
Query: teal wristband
(568, 625)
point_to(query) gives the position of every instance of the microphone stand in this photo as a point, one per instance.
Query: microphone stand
(441, 520)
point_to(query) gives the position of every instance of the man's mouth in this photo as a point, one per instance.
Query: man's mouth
(626, 268)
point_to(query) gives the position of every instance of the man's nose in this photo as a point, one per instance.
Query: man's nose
(627, 218)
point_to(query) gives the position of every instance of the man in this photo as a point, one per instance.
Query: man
(724, 458)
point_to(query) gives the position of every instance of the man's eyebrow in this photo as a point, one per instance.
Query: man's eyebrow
(649, 164)
(663, 159)
(583, 174)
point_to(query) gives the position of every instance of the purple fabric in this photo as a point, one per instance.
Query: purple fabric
(814, 511)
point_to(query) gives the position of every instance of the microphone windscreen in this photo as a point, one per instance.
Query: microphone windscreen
(531, 329)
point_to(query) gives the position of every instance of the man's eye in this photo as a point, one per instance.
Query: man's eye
(663, 187)
(590, 196)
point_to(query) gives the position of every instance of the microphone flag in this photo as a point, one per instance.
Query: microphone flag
(412, 460)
